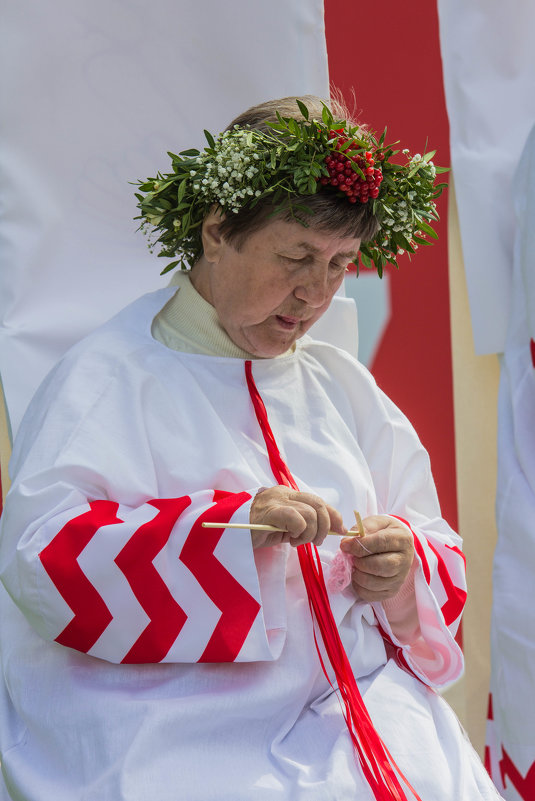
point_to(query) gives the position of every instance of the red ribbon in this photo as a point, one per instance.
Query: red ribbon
(378, 766)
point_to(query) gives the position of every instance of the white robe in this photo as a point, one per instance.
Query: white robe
(147, 658)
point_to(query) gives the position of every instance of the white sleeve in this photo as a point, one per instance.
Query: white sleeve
(104, 551)
(405, 489)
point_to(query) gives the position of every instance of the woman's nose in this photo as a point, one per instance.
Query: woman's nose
(314, 290)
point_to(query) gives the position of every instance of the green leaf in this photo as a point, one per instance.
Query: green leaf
(423, 226)
(209, 139)
(365, 259)
(181, 190)
(169, 267)
(400, 241)
(293, 127)
(163, 204)
(303, 109)
(191, 152)
(326, 116)
(302, 207)
(277, 126)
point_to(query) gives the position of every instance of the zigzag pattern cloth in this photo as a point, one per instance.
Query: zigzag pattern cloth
(146, 585)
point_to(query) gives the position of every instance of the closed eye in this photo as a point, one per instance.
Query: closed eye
(339, 267)
(302, 261)
(308, 260)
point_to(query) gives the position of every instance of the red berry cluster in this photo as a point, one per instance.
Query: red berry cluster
(347, 180)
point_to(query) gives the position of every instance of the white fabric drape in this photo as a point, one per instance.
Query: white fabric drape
(94, 94)
(511, 727)
(489, 69)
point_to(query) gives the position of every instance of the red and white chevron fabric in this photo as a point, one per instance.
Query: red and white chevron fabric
(121, 573)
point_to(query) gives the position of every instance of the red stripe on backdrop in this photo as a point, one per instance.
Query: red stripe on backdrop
(390, 55)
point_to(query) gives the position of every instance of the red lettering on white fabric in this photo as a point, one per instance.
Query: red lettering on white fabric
(238, 608)
(524, 785)
(59, 559)
(136, 562)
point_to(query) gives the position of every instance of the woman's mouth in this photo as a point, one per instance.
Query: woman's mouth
(288, 323)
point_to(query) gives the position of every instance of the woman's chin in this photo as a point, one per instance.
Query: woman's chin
(271, 349)
(272, 339)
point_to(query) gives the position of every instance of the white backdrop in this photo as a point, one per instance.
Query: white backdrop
(94, 92)
(488, 54)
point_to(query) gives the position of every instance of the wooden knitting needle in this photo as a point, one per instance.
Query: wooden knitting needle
(360, 531)
(266, 527)
(360, 528)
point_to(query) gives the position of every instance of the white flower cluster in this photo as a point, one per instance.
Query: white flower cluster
(225, 178)
(427, 166)
(402, 219)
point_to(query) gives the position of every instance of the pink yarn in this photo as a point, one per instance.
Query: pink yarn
(341, 572)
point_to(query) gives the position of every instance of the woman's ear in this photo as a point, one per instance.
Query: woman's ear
(212, 241)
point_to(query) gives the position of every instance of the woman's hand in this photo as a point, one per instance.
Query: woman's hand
(383, 557)
(301, 517)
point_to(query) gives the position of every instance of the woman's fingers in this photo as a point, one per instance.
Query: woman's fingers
(383, 557)
(301, 516)
(303, 521)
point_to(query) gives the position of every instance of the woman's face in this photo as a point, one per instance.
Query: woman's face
(269, 293)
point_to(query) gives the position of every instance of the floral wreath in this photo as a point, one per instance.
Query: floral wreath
(295, 158)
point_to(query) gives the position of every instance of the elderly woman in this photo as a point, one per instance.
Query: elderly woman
(147, 655)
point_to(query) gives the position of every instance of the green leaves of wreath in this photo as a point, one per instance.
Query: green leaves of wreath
(286, 164)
